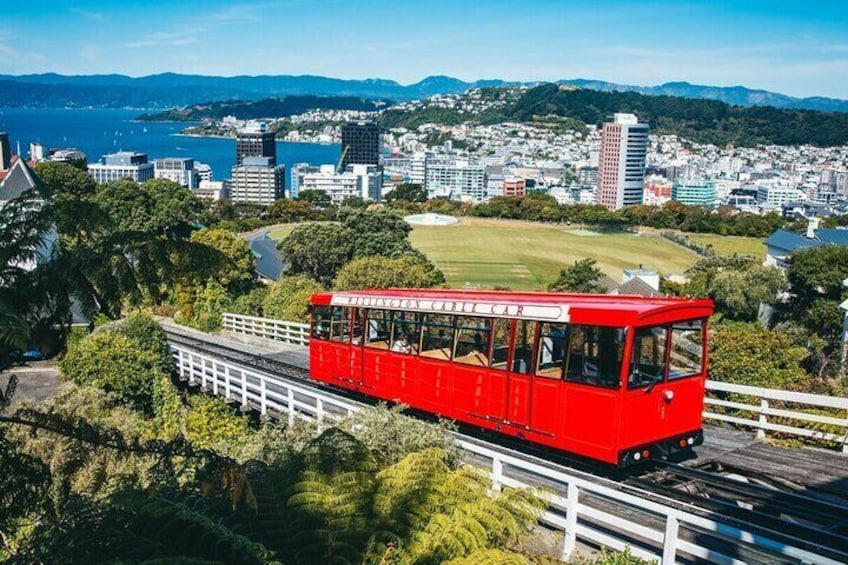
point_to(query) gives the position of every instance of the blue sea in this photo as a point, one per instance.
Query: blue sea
(97, 132)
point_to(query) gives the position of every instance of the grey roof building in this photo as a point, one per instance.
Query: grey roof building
(782, 243)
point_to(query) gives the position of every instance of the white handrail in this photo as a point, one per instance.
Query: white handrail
(650, 529)
(836, 408)
(267, 328)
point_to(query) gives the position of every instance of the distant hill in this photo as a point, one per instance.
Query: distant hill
(270, 107)
(704, 121)
(171, 90)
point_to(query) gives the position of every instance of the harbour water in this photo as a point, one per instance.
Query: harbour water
(100, 131)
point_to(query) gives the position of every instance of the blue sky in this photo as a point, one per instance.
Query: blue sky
(798, 48)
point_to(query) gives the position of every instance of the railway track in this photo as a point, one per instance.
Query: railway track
(808, 522)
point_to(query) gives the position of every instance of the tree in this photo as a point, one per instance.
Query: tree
(815, 278)
(318, 250)
(382, 272)
(221, 255)
(408, 191)
(738, 294)
(289, 211)
(582, 276)
(379, 231)
(288, 298)
(317, 198)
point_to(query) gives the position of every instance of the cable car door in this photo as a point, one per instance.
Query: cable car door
(357, 346)
(519, 376)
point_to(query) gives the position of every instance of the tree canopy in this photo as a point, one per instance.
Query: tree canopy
(582, 276)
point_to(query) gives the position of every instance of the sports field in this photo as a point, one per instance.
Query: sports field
(529, 255)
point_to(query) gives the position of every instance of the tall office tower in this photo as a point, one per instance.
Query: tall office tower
(621, 163)
(5, 151)
(257, 181)
(255, 141)
(360, 144)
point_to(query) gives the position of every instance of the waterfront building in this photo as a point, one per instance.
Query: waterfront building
(257, 181)
(38, 153)
(178, 169)
(365, 181)
(621, 164)
(66, 155)
(124, 164)
(694, 193)
(360, 144)
(254, 140)
(460, 180)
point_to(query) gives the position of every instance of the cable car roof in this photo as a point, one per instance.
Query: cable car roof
(597, 309)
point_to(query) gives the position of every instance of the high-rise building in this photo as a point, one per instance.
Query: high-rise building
(360, 144)
(5, 151)
(257, 181)
(255, 141)
(621, 162)
(124, 164)
(178, 169)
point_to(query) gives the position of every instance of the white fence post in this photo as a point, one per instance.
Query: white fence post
(672, 527)
(263, 397)
(570, 540)
(763, 420)
(497, 474)
(291, 407)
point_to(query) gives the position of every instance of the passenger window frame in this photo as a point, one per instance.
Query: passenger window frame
(702, 353)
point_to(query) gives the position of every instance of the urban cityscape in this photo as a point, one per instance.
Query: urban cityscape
(295, 282)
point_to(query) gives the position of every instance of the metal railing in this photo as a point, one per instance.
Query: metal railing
(277, 330)
(584, 510)
(774, 408)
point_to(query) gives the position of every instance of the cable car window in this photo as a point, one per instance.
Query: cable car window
(687, 350)
(594, 356)
(340, 324)
(321, 316)
(472, 341)
(406, 331)
(525, 335)
(437, 336)
(553, 345)
(379, 323)
(357, 325)
(648, 362)
(500, 344)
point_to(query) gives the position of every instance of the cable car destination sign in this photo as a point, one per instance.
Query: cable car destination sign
(485, 308)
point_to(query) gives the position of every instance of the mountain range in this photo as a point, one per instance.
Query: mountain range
(169, 90)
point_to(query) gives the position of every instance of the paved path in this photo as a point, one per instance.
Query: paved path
(37, 381)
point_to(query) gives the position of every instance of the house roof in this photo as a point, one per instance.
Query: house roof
(834, 236)
(790, 241)
(638, 287)
(17, 180)
(269, 262)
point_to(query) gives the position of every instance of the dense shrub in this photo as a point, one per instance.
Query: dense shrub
(288, 298)
(125, 358)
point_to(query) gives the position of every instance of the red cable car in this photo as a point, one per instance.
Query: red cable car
(618, 379)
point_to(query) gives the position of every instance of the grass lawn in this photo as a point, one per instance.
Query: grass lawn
(730, 244)
(280, 231)
(529, 255)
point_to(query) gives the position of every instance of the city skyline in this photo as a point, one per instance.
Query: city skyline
(786, 47)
